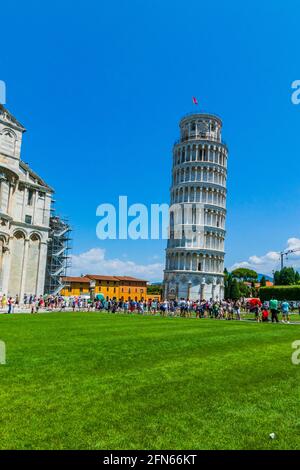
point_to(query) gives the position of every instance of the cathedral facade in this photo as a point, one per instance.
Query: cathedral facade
(25, 205)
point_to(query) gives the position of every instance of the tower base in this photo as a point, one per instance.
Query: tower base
(193, 286)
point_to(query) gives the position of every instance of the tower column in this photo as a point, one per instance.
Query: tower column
(189, 290)
(213, 291)
(202, 290)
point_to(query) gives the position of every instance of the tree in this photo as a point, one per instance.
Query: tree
(155, 289)
(297, 277)
(245, 274)
(234, 290)
(285, 277)
(227, 284)
(254, 290)
(263, 281)
(277, 278)
(245, 290)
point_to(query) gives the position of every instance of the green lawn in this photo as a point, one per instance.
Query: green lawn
(100, 381)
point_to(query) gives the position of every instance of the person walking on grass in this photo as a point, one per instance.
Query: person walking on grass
(182, 307)
(215, 310)
(237, 309)
(10, 305)
(37, 305)
(4, 302)
(166, 308)
(172, 308)
(229, 315)
(33, 305)
(285, 307)
(274, 310)
(198, 310)
(265, 314)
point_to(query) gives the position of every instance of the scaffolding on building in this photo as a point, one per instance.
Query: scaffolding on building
(58, 256)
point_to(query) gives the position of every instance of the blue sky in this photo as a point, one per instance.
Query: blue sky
(101, 86)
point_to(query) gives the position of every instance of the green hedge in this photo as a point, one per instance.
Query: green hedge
(280, 292)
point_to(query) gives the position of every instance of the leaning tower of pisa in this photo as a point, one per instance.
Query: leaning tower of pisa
(195, 252)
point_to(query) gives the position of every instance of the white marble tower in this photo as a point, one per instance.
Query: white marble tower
(195, 253)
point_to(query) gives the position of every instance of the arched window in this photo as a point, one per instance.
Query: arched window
(18, 235)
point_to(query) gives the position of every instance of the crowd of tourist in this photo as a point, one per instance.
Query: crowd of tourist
(32, 303)
(225, 309)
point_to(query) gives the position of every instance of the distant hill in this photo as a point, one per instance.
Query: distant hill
(268, 278)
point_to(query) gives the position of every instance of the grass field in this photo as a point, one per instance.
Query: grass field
(100, 381)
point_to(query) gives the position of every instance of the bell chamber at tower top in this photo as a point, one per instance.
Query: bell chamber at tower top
(200, 127)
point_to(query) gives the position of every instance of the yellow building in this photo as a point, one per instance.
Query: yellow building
(112, 287)
(132, 288)
(75, 286)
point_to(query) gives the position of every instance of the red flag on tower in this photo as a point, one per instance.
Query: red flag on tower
(195, 101)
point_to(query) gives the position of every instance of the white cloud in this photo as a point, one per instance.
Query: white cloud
(293, 243)
(271, 260)
(94, 261)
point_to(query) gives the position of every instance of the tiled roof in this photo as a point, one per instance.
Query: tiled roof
(130, 278)
(76, 279)
(99, 277)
